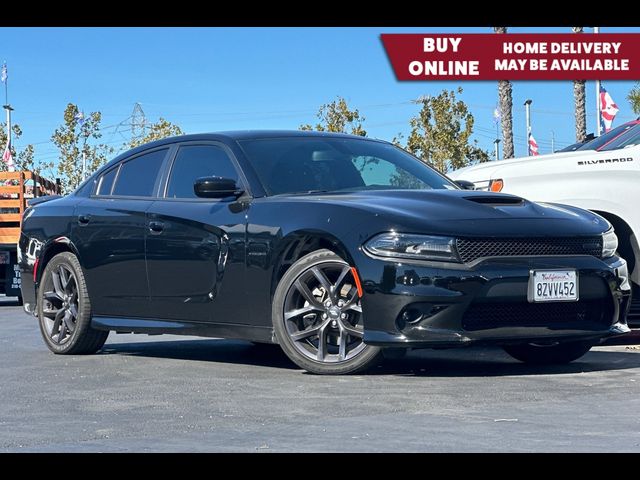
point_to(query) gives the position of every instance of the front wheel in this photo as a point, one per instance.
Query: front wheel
(317, 317)
(558, 353)
(64, 308)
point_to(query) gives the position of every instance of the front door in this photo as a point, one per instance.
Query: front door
(196, 246)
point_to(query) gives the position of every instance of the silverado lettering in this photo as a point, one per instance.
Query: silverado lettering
(605, 160)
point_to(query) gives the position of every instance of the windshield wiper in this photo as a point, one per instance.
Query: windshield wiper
(306, 192)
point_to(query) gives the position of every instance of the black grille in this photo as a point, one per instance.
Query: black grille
(471, 249)
(582, 315)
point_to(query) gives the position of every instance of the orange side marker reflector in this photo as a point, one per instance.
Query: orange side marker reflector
(357, 280)
(35, 270)
(496, 185)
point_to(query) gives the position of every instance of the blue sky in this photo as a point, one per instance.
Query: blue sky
(208, 79)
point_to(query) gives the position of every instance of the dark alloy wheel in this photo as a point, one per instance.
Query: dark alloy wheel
(64, 308)
(317, 316)
(540, 354)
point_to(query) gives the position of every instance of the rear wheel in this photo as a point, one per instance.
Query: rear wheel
(558, 353)
(317, 317)
(64, 308)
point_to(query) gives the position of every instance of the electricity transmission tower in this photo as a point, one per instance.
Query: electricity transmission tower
(138, 123)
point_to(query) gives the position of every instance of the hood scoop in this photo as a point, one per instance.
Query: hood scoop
(496, 200)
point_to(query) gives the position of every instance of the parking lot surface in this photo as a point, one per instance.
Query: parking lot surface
(169, 393)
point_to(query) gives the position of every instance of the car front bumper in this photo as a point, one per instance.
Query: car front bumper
(438, 305)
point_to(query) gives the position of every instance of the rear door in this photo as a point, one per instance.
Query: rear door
(196, 246)
(110, 230)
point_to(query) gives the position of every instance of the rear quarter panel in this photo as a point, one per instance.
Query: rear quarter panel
(44, 227)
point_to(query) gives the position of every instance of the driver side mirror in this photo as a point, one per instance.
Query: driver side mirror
(216, 187)
(465, 184)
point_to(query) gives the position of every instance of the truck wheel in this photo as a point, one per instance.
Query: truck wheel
(64, 309)
(548, 354)
(317, 317)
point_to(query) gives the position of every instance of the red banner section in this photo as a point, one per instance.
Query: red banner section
(478, 56)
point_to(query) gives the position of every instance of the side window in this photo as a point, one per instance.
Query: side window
(195, 161)
(137, 177)
(106, 182)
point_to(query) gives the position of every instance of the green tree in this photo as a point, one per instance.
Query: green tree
(440, 133)
(23, 158)
(505, 102)
(156, 131)
(338, 117)
(77, 137)
(579, 102)
(634, 98)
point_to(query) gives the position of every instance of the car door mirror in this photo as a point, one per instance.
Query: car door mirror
(465, 184)
(216, 187)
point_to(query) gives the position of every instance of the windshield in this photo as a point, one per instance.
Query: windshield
(571, 148)
(596, 143)
(631, 137)
(316, 164)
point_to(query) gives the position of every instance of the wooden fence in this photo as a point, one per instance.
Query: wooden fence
(16, 188)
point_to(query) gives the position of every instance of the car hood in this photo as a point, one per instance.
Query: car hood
(459, 213)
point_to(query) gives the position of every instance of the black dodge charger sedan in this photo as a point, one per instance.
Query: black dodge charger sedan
(335, 247)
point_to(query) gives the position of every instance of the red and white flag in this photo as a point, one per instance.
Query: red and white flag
(7, 157)
(533, 146)
(608, 109)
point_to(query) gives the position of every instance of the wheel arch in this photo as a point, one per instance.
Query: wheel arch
(627, 242)
(296, 245)
(50, 249)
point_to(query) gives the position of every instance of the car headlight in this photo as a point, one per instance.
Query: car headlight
(418, 247)
(609, 243)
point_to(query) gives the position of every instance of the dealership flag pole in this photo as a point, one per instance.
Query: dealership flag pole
(496, 121)
(7, 158)
(527, 106)
(598, 126)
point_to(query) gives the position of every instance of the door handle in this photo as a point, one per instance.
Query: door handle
(156, 227)
(84, 219)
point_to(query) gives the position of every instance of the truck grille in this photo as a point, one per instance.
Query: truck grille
(471, 249)
(583, 315)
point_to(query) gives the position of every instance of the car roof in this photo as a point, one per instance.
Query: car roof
(251, 135)
(235, 135)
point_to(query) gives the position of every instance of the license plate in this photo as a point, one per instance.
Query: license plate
(553, 286)
(4, 258)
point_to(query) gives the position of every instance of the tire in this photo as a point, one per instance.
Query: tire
(548, 354)
(302, 296)
(64, 309)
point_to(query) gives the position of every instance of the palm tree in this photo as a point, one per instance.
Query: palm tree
(633, 97)
(579, 100)
(506, 106)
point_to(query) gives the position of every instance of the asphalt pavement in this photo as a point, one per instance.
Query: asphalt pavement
(170, 393)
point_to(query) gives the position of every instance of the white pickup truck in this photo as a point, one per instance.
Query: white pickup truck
(602, 175)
